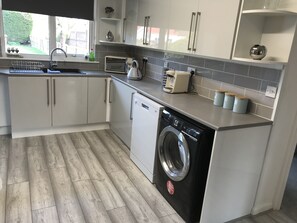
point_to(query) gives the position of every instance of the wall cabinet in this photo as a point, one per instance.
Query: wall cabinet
(273, 28)
(121, 99)
(97, 100)
(203, 28)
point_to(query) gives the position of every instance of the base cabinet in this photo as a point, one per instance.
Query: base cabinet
(97, 100)
(44, 102)
(121, 116)
(30, 102)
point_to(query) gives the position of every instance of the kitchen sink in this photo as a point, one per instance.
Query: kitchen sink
(64, 71)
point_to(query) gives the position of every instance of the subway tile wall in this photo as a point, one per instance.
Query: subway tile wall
(211, 75)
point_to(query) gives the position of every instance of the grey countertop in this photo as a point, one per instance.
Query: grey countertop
(193, 106)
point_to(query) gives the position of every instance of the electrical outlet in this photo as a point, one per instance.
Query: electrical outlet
(190, 69)
(270, 91)
(145, 59)
(166, 64)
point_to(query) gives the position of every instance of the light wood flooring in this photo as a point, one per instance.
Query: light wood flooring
(81, 177)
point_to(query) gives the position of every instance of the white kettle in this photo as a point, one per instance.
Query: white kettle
(134, 72)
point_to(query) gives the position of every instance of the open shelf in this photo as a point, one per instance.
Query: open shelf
(269, 12)
(264, 63)
(110, 19)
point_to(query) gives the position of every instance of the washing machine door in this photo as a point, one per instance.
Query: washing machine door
(174, 153)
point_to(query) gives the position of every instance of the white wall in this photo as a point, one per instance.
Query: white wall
(4, 106)
(282, 141)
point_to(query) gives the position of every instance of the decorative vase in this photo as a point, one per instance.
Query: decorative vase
(109, 12)
(109, 36)
(258, 52)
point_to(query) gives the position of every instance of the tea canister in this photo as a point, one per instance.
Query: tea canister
(240, 104)
(219, 98)
(229, 100)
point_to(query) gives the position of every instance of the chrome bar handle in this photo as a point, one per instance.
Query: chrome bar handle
(144, 29)
(105, 92)
(124, 29)
(147, 27)
(47, 90)
(54, 86)
(109, 97)
(190, 33)
(131, 106)
(195, 32)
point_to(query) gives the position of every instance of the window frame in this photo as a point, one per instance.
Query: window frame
(52, 41)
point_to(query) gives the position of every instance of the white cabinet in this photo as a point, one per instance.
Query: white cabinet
(130, 22)
(97, 99)
(43, 102)
(273, 28)
(69, 101)
(152, 23)
(121, 99)
(203, 27)
(4, 102)
(30, 102)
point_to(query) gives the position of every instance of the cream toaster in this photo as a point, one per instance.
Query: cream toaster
(176, 81)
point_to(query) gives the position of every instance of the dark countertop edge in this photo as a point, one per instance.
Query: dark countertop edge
(210, 125)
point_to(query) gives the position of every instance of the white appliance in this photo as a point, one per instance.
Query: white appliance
(146, 116)
(176, 81)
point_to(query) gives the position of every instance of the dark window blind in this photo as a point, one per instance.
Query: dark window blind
(81, 9)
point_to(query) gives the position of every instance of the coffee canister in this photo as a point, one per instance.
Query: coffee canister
(219, 98)
(229, 100)
(240, 104)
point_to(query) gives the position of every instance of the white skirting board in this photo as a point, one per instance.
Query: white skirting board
(60, 130)
(234, 172)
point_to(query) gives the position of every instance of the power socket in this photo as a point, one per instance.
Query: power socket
(166, 64)
(190, 69)
(145, 59)
(270, 91)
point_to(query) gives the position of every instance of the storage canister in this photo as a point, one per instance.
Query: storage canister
(219, 98)
(240, 104)
(229, 100)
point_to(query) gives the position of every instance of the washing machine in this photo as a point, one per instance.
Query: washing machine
(183, 156)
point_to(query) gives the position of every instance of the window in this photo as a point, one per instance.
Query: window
(36, 34)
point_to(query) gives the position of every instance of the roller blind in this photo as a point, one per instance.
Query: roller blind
(81, 9)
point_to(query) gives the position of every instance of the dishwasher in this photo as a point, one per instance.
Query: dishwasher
(145, 124)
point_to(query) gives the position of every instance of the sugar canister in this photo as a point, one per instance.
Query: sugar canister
(229, 100)
(240, 104)
(219, 98)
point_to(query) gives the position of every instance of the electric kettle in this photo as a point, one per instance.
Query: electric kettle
(134, 72)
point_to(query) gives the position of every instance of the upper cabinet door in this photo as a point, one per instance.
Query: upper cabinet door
(182, 17)
(216, 27)
(130, 22)
(152, 23)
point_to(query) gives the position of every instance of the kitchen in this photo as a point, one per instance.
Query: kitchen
(247, 78)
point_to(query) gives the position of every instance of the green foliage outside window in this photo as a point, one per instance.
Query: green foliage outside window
(17, 26)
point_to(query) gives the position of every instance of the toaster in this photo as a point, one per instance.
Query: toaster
(176, 81)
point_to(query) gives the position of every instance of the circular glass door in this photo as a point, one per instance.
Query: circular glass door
(174, 153)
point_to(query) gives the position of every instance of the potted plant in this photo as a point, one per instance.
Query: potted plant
(109, 11)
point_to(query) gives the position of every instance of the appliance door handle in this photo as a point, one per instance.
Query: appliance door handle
(147, 27)
(54, 86)
(195, 32)
(109, 96)
(131, 106)
(47, 90)
(190, 33)
(144, 30)
(124, 29)
(191, 137)
(105, 92)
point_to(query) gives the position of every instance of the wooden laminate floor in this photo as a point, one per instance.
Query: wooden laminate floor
(81, 177)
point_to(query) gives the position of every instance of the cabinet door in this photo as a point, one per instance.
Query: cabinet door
(97, 99)
(130, 22)
(30, 103)
(69, 101)
(153, 33)
(181, 25)
(216, 27)
(4, 102)
(121, 111)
